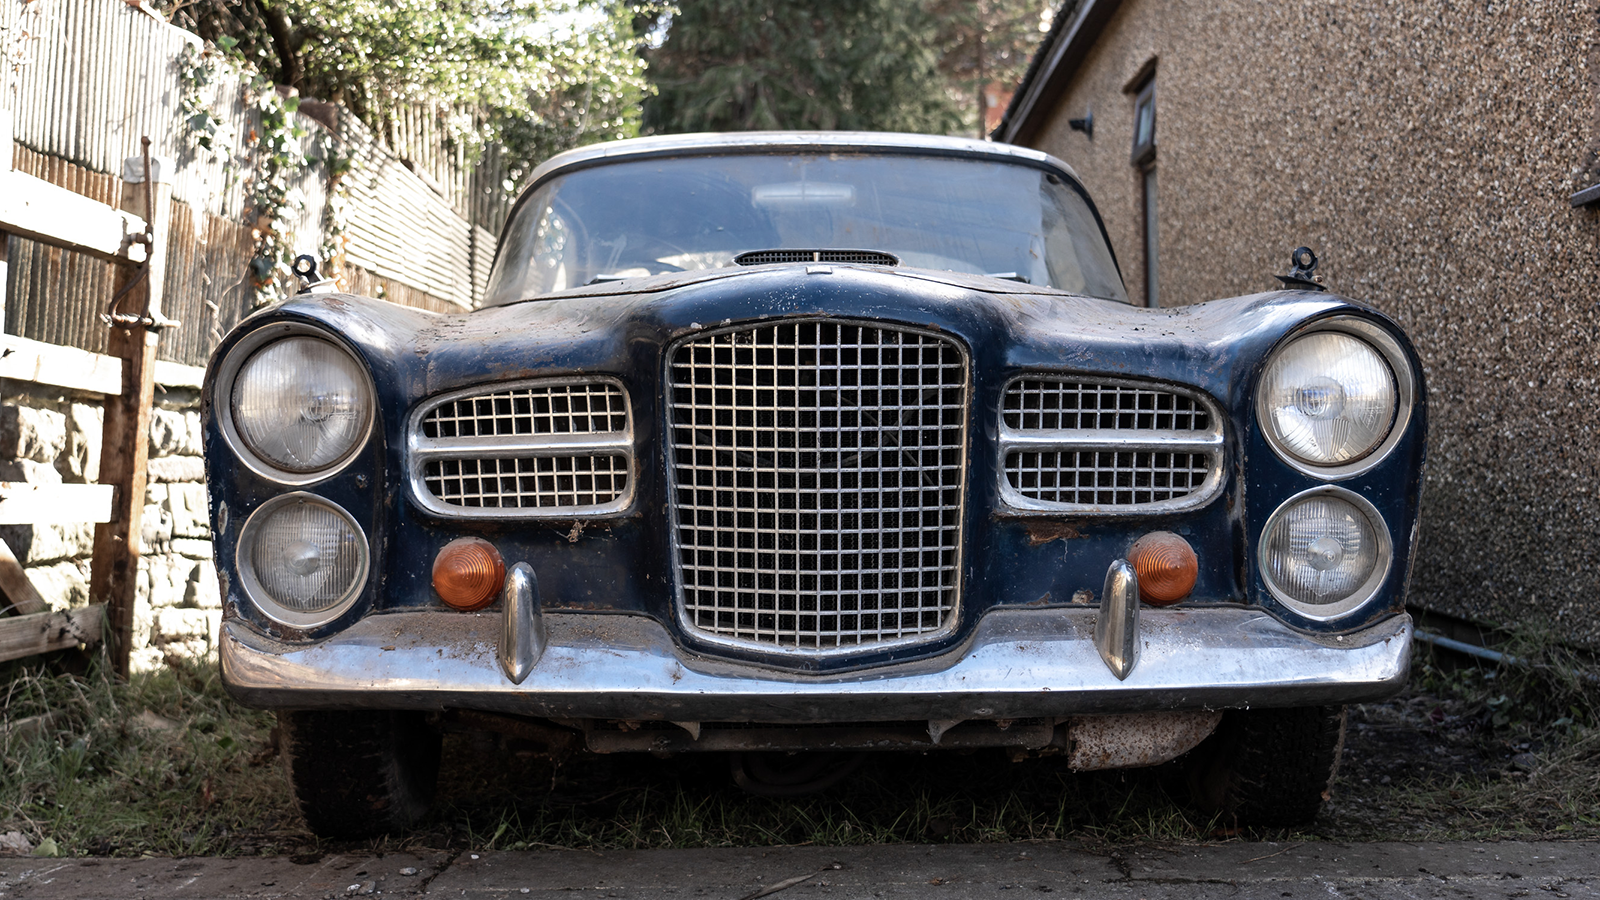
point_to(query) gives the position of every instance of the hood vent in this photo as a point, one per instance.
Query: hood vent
(861, 257)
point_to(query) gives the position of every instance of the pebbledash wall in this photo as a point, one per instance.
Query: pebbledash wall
(1438, 155)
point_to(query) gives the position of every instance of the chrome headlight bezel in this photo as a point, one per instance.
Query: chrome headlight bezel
(263, 601)
(222, 402)
(1368, 588)
(1391, 352)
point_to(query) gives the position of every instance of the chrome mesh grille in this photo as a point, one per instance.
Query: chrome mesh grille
(1056, 405)
(1107, 446)
(545, 448)
(546, 409)
(1106, 477)
(528, 482)
(817, 483)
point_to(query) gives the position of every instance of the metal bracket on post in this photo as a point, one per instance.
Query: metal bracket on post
(136, 322)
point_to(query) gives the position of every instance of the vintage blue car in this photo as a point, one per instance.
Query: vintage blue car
(793, 446)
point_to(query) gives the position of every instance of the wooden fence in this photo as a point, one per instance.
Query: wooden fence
(88, 77)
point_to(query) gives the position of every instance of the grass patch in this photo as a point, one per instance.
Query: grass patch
(164, 764)
(1474, 751)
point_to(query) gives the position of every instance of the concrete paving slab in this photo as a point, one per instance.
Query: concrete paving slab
(735, 873)
(1251, 871)
(1011, 871)
(255, 878)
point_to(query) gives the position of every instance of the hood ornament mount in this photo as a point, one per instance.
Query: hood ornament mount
(1302, 274)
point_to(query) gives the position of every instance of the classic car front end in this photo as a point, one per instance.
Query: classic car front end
(820, 442)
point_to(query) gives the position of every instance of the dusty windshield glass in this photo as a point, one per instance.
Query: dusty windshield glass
(629, 219)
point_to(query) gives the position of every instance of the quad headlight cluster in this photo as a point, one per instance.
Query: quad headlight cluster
(1332, 402)
(296, 407)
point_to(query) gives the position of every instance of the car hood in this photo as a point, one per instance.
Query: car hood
(623, 327)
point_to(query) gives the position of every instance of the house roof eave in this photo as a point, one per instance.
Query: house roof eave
(1077, 26)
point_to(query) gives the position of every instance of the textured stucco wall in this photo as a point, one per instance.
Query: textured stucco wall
(1426, 150)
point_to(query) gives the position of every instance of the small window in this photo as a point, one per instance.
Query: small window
(1144, 124)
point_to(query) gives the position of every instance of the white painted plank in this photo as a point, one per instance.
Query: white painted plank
(38, 210)
(25, 503)
(80, 370)
(68, 367)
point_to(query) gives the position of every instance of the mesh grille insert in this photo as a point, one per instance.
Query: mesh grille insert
(816, 478)
(527, 482)
(1106, 478)
(546, 409)
(1066, 405)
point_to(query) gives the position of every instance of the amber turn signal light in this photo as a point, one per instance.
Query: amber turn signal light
(1166, 565)
(468, 573)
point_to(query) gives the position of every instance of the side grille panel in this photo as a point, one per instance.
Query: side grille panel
(1068, 405)
(524, 450)
(583, 408)
(817, 483)
(532, 482)
(1107, 447)
(1106, 478)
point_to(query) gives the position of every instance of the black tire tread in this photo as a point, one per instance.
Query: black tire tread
(1270, 767)
(358, 774)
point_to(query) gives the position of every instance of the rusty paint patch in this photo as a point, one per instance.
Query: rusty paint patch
(1043, 531)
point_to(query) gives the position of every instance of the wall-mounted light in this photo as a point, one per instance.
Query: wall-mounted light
(1085, 124)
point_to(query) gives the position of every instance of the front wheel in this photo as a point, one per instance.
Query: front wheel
(357, 774)
(1269, 767)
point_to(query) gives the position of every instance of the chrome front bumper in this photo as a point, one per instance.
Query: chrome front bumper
(1018, 664)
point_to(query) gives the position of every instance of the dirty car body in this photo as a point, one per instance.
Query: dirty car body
(809, 442)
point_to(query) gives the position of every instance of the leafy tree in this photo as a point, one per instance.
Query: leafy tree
(538, 76)
(984, 44)
(733, 65)
(892, 65)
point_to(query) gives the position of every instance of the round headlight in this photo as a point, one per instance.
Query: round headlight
(303, 559)
(1327, 398)
(301, 404)
(1324, 552)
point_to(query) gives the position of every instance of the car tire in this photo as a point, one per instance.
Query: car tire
(1268, 767)
(357, 774)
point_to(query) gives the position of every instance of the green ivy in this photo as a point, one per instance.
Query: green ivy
(273, 156)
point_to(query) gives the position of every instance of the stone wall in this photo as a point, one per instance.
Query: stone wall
(51, 436)
(1427, 151)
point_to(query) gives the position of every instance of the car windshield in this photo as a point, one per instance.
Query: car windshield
(646, 217)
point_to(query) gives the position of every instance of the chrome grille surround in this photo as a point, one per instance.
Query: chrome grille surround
(1105, 446)
(817, 484)
(551, 448)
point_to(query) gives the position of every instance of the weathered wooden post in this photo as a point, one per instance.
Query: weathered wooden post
(6, 153)
(136, 324)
